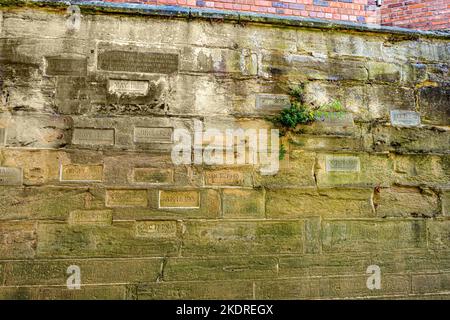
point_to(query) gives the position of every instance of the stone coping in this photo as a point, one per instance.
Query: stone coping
(101, 7)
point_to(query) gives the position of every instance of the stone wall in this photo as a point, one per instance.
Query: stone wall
(87, 180)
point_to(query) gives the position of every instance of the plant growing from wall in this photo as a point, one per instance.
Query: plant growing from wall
(300, 113)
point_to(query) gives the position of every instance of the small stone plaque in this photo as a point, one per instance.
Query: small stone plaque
(338, 119)
(179, 199)
(10, 176)
(65, 66)
(81, 173)
(91, 217)
(342, 164)
(92, 136)
(153, 135)
(126, 198)
(403, 118)
(2, 136)
(156, 229)
(130, 61)
(224, 178)
(272, 102)
(152, 175)
(128, 87)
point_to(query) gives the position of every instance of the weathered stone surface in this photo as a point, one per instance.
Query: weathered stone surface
(330, 287)
(363, 235)
(299, 171)
(445, 198)
(326, 143)
(195, 290)
(18, 239)
(109, 292)
(384, 72)
(294, 203)
(373, 170)
(332, 264)
(52, 203)
(434, 104)
(37, 131)
(427, 283)
(422, 169)
(89, 118)
(93, 271)
(243, 203)
(406, 140)
(120, 239)
(304, 67)
(242, 238)
(438, 234)
(406, 202)
(221, 268)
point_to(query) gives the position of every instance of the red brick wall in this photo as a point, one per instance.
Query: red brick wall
(416, 14)
(359, 11)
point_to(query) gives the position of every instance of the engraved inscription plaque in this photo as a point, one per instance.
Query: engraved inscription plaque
(2, 136)
(179, 199)
(10, 176)
(272, 102)
(152, 175)
(156, 229)
(126, 198)
(130, 61)
(224, 178)
(405, 118)
(64, 66)
(90, 217)
(81, 173)
(90, 136)
(335, 119)
(342, 164)
(153, 135)
(128, 87)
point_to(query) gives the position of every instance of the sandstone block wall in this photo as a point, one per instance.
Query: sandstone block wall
(86, 176)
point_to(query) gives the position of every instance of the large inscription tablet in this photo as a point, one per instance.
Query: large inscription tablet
(64, 66)
(130, 61)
